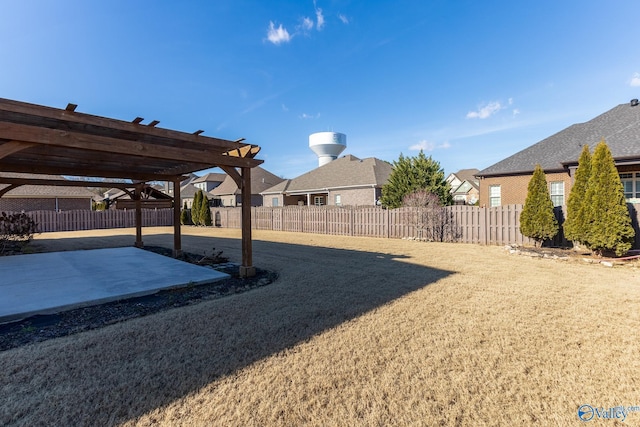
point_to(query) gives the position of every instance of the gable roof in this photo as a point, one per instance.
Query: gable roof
(44, 190)
(347, 171)
(210, 177)
(188, 191)
(466, 174)
(466, 186)
(261, 179)
(619, 127)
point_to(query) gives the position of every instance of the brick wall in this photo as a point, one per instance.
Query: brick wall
(353, 197)
(513, 189)
(19, 204)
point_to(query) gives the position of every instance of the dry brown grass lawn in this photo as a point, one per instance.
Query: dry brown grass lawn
(356, 331)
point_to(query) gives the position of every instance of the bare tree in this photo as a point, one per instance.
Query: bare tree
(431, 221)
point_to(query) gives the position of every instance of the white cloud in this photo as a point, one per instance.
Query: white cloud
(277, 35)
(425, 145)
(343, 18)
(307, 24)
(284, 108)
(305, 116)
(485, 112)
(635, 81)
(319, 17)
(516, 111)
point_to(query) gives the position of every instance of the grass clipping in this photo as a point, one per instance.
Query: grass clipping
(356, 331)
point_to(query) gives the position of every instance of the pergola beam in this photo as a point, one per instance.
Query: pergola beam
(8, 106)
(42, 140)
(102, 144)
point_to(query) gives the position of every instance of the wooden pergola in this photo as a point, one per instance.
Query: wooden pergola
(36, 139)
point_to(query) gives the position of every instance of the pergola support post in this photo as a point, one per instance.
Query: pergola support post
(246, 269)
(137, 197)
(177, 236)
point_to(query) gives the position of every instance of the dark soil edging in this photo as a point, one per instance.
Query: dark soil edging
(43, 327)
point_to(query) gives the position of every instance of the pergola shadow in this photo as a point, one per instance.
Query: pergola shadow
(133, 368)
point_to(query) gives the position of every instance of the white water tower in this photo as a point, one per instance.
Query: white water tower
(327, 145)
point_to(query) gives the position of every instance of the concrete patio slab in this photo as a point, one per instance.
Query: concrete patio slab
(52, 282)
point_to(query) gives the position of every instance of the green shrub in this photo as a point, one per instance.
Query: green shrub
(537, 219)
(205, 212)
(196, 207)
(410, 174)
(185, 217)
(608, 224)
(575, 226)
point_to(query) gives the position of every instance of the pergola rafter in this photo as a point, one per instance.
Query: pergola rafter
(42, 140)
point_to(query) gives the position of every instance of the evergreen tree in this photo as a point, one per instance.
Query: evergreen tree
(184, 215)
(605, 209)
(575, 228)
(410, 174)
(205, 212)
(196, 207)
(537, 219)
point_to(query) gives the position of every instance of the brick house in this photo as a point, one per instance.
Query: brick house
(344, 181)
(44, 197)
(209, 181)
(506, 182)
(465, 187)
(228, 194)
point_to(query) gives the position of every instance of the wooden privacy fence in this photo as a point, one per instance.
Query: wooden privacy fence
(89, 220)
(466, 224)
(469, 224)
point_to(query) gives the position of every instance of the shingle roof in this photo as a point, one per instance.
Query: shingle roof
(188, 191)
(261, 179)
(347, 171)
(44, 190)
(619, 127)
(210, 177)
(466, 174)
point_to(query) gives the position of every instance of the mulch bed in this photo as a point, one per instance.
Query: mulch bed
(43, 327)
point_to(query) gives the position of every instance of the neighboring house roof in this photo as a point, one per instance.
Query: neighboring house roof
(188, 191)
(465, 187)
(189, 179)
(152, 192)
(210, 177)
(278, 188)
(261, 180)
(44, 191)
(347, 171)
(466, 174)
(619, 127)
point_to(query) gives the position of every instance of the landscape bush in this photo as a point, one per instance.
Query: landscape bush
(410, 174)
(431, 221)
(205, 212)
(16, 230)
(607, 222)
(575, 227)
(185, 216)
(537, 219)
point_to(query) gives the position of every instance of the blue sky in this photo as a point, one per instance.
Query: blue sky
(469, 82)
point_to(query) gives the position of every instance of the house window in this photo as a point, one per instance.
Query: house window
(557, 193)
(318, 200)
(274, 202)
(338, 200)
(631, 184)
(494, 196)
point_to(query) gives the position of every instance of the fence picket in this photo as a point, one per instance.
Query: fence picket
(473, 224)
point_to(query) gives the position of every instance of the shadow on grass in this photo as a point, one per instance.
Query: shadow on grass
(123, 372)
